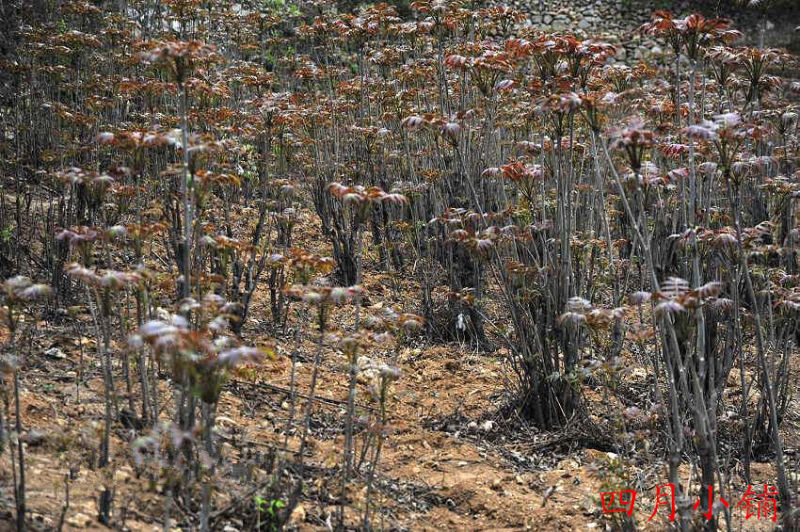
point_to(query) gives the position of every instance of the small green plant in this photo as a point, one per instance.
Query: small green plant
(270, 510)
(6, 233)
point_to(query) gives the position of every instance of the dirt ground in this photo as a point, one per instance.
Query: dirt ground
(450, 463)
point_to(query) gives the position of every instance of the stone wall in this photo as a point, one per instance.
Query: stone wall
(595, 16)
(617, 20)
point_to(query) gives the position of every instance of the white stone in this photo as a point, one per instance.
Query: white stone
(55, 352)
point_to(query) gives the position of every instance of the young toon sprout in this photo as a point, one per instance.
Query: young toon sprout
(203, 359)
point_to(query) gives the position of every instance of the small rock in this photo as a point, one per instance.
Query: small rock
(569, 464)
(55, 353)
(34, 437)
(79, 520)
(120, 475)
(487, 425)
(298, 515)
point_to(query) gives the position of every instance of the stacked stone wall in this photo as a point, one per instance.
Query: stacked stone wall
(617, 20)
